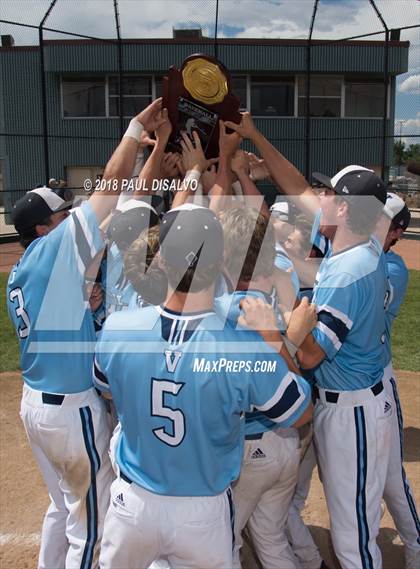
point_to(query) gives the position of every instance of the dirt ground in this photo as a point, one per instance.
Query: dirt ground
(23, 497)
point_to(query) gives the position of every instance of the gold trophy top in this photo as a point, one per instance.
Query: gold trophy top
(205, 81)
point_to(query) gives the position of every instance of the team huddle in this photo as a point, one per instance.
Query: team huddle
(189, 357)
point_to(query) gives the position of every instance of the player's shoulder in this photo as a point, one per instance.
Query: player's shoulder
(136, 319)
(352, 265)
(397, 269)
(395, 262)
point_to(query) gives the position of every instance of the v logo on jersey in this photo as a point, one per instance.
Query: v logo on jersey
(172, 359)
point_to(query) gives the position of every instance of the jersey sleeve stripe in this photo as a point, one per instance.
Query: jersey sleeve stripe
(334, 324)
(79, 213)
(99, 377)
(285, 382)
(337, 314)
(289, 398)
(81, 244)
(330, 334)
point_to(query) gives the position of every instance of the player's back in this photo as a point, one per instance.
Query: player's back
(398, 280)
(47, 305)
(180, 389)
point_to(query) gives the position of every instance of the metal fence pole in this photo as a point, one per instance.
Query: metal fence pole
(308, 94)
(120, 68)
(215, 30)
(44, 92)
(386, 81)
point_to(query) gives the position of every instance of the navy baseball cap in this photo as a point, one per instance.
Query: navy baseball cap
(130, 220)
(191, 236)
(397, 211)
(354, 181)
(35, 206)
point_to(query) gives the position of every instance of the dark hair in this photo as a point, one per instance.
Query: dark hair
(25, 239)
(147, 278)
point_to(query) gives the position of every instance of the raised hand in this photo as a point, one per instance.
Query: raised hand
(257, 315)
(164, 129)
(228, 143)
(151, 117)
(192, 154)
(258, 168)
(246, 128)
(302, 321)
(240, 163)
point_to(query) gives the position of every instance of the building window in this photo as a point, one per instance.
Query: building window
(325, 97)
(136, 91)
(364, 99)
(272, 96)
(239, 88)
(83, 97)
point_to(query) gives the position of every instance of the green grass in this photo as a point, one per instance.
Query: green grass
(406, 329)
(9, 353)
(405, 337)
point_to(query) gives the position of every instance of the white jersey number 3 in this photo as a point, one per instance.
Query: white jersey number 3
(23, 330)
(160, 387)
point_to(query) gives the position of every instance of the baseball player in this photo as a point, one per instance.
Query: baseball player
(398, 495)
(352, 418)
(180, 407)
(269, 470)
(64, 418)
(126, 224)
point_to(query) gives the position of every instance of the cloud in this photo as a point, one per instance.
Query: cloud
(410, 85)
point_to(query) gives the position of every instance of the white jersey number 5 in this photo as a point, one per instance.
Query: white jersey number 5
(23, 330)
(159, 409)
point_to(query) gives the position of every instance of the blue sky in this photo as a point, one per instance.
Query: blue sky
(237, 18)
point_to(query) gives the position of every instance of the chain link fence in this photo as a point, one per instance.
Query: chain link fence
(73, 72)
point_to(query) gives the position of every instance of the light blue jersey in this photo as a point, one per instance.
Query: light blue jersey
(256, 422)
(120, 293)
(319, 241)
(180, 384)
(46, 300)
(283, 263)
(351, 294)
(398, 278)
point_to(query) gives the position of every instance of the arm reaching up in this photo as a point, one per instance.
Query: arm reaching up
(284, 174)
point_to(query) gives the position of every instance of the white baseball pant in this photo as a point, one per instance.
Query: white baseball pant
(352, 439)
(398, 495)
(262, 496)
(189, 532)
(70, 440)
(297, 532)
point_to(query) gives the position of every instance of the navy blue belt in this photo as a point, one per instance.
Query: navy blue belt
(125, 478)
(52, 398)
(255, 437)
(332, 396)
(57, 399)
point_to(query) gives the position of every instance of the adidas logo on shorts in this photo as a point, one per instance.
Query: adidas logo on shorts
(258, 453)
(119, 499)
(387, 407)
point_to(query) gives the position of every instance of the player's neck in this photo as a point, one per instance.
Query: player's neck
(345, 239)
(190, 302)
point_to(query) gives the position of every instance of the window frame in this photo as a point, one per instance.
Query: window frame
(298, 96)
(367, 81)
(250, 84)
